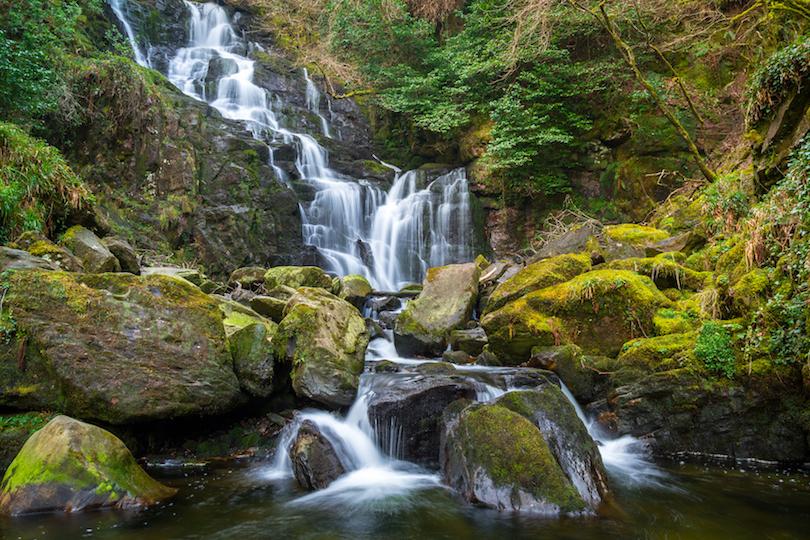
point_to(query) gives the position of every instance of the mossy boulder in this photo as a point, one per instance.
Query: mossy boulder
(124, 252)
(537, 276)
(237, 316)
(598, 310)
(297, 276)
(570, 365)
(446, 303)
(675, 321)
(69, 465)
(16, 259)
(95, 257)
(749, 292)
(566, 436)
(192, 275)
(252, 352)
(39, 245)
(15, 430)
(323, 338)
(635, 235)
(114, 347)
(248, 277)
(494, 456)
(642, 356)
(355, 289)
(665, 270)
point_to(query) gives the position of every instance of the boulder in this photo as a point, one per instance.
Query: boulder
(237, 316)
(537, 276)
(315, 462)
(192, 275)
(388, 319)
(124, 252)
(252, 352)
(665, 271)
(15, 430)
(95, 257)
(355, 289)
(249, 277)
(471, 341)
(39, 245)
(457, 357)
(599, 311)
(413, 403)
(566, 436)
(272, 303)
(297, 276)
(446, 303)
(384, 303)
(578, 238)
(114, 347)
(16, 259)
(570, 365)
(635, 235)
(496, 457)
(69, 465)
(324, 340)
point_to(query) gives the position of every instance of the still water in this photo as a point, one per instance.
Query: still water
(241, 501)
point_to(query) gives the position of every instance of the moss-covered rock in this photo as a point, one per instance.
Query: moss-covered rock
(248, 277)
(446, 303)
(39, 245)
(324, 339)
(661, 353)
(635, 235)
(354, 289)
(675, 321)
(237, 316)
(192, 275)
(114, 347)
(314, 460)
(570, 365)
(124, 252)
(69, 465)
(496, 457)
(15, 430)
(297, 276)
(598, 310)
(665, 271)
(748, 293)
(252, 352)
(16, 259)
(536, 276)
(95, 257)
(566, 436)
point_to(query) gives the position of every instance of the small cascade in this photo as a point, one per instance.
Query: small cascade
(625, 457)
(119, 8)
(314, 104)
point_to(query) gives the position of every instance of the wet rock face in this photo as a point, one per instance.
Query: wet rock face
(315, 461)
(496, 457)
(114, 347)
(69, 465)
(409, 407)
(446, 303)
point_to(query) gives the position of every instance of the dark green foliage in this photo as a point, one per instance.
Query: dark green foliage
(713, 348)
(784, 71)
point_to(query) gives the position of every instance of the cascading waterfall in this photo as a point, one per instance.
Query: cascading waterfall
(119, 8)
(389, 238)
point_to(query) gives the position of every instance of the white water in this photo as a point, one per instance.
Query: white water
(390, 238)
(625, 457)
(119, 8)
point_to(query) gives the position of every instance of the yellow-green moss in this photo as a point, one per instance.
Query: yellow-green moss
(660, 353)
(297, 276)
(673, 321)
(664, 271)
(636, 235)
(748, 293)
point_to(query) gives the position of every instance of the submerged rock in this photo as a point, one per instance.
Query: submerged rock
(446, 303)
(297, 276)
(496, 457)
(95, 257)
(114, 347)
(324, 340)
(69, 465)
(315, 462)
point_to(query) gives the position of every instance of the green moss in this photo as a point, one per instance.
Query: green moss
(354, 286)
(297, 276)
(514, 454)
(538, 276)
(748, 293)
(664, 271)
(660, 353)
(635, 235)
(673, 321)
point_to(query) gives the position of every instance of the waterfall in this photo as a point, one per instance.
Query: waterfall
(119, 8)
(390, 238)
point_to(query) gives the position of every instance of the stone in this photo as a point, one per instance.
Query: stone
(15, 430)
(124, 252)
(297, 276)
(537, 276)
(355, 289)
(665, 271)
(248, 277)
(388, 319)
(114, 347)
(252, 352)
(95, 257)
(69, 465)
(269, 306)
(635, 235)
(578, 238)
(314, 460)
(384, 303)
(323, 339)
(446, 303)
(471, 341)
(39, 245)
(193, 276)
(566, 436)
(496, 457)
(16, 259)
(237, 316)
(457, 357)
(598, 310)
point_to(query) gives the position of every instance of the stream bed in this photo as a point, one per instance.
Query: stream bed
(238, 501)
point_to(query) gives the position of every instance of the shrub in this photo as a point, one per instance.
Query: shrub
(713, 348)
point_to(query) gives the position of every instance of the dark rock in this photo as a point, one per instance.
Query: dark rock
(315, 462)
(388, 319)
(248, 277)
(378, 304)
(471, 341)
(457, 357)
(252, 352)
(269, 306)
(124, 252)
(95, 257)
(15, 259)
